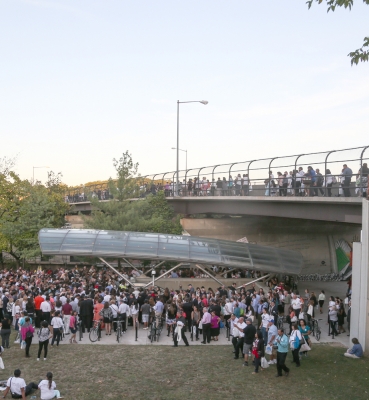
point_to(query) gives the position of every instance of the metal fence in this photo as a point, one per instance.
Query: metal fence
(256, 177)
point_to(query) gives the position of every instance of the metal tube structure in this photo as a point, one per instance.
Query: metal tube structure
(325, 170)
(117, 272)
(361, 174)
(177, 186)
(166, 272)
(250, 283)
(270, 165)
(210, 275)
(155, 266)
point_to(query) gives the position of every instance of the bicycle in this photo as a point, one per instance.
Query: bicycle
(315, 328)
(95, 332)
(155, 331)
(119, 330)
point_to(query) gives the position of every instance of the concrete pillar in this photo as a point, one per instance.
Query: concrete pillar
(359, 325)
(364, 284)
(356, 289)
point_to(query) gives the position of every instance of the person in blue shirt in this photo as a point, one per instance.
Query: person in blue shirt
(282, 343)
(356, 351)
(347, 174)
(312, 175)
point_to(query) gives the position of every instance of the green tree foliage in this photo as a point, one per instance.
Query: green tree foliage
(359, 55)
(25, 209)
(152, 214)
(125, 185)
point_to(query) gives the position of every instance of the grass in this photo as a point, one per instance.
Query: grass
(198, 372)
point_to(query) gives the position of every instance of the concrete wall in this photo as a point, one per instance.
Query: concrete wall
(314, 239)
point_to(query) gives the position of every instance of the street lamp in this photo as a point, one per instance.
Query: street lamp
(33, 176)
(153, 272)
(174, 148)
(205, 102)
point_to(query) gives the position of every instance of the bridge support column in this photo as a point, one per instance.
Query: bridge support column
(359, 325)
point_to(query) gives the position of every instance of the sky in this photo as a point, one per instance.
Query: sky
(83, 81)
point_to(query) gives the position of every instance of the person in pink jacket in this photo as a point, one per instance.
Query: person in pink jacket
(27, 331)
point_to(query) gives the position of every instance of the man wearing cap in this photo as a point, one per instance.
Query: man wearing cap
(206, 323)
(272, 336)
(239, 326)
(248, 340)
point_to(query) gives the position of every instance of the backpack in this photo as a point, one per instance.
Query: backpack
(9, 307)
(334, 179)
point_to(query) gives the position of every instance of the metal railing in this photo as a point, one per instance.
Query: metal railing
(254, 178)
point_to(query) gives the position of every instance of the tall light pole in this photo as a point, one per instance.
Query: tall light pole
(178, 103)
(33, 176)
(174, 148)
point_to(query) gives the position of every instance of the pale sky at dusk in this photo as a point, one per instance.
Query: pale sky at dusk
(83, 81)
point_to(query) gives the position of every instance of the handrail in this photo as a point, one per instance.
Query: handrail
(259, 174)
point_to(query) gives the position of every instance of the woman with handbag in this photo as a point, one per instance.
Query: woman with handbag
(305, 332)
(295, 344)
(258, 351)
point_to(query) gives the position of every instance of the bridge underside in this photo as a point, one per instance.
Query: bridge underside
(342, 209)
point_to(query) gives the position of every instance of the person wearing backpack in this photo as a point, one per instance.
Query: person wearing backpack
(44, 335)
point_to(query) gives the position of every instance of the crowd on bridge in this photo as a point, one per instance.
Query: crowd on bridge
(52, 303)
(300, 182)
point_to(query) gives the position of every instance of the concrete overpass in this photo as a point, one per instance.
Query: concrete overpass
(346, 210)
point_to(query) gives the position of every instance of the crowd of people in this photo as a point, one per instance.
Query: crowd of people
(311, 182)
(50, 304)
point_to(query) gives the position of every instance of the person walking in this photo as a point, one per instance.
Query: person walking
(282, 343)
(179, 332)
(44, 335)
(249, 336)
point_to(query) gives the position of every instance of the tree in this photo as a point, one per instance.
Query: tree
(152, 214)
(126, 212)
(125, 185)
(361, 54)
(27, 208)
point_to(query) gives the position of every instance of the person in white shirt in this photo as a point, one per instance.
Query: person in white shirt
(45, 308)
(123, 314)
(107, 297)
(57, 327)
(17, 385)
(115, 311)
(240, 326)
(296, 305)
(48, 388)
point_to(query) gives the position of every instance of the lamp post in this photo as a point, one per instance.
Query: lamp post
(174, 148)
(153, 272)
(33, 175)
(178, 103)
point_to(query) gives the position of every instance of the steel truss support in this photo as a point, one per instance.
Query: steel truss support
(208, 273)
(117, 272)
(255, 280)
(162, 275)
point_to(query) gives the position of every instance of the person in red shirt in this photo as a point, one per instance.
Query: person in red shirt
(38, 300)
(67, 312)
